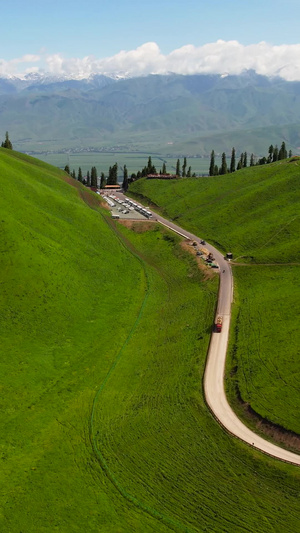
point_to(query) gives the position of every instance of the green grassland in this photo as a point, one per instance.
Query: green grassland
(264, 351)
(104, 335)
(255, 214)
(60, 303)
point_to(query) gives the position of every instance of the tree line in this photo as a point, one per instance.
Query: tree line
(181, 170)
(274, 154)
(91, 178)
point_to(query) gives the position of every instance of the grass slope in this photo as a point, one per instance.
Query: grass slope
(255, 214)
(60, 270)
(263, 352)
(152, 429)
(103, 423)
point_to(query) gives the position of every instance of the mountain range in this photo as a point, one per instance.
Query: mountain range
(165, 113)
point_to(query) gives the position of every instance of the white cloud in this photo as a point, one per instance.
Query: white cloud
(220, 57)
(11, 67)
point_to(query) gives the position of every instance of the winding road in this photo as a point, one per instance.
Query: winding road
(215, 365)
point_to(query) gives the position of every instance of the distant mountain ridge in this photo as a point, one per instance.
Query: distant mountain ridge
(152, 110)
(37, 81)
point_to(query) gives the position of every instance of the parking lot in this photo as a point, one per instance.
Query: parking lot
(126, 209)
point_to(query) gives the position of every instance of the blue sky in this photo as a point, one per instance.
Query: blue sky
(102, 28)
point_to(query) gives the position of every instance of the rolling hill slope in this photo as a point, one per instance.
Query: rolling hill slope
(255, 214)
(104, 334)
(60, 267)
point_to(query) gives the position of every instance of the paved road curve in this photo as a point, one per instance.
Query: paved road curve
(215, 366)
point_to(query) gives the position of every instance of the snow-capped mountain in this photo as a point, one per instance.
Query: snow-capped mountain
(13, 84)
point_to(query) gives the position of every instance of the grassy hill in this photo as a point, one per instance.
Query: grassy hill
(255, 214)
(60, 267)
(104, 334)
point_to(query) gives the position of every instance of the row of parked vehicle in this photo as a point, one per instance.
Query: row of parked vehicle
(127, 205)
(143, 210)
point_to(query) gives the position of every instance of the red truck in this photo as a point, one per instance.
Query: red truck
(219, 322)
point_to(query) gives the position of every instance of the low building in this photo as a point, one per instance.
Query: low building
(162, 177)
(112, 187)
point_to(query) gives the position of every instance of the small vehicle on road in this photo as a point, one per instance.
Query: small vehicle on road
(218, 325)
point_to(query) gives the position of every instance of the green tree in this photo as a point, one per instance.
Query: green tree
(232, 161)
(113, 175)
(189, 172)
(7, 144)
(290, 153)
(94, 177)
(223, 168)
(125, 179)
(252, 160)
(275, 154)
(150, 167)
(245, 159)
(67, 169)
(241, 162)
(282, 154)
(271, 152)
(80, 175)
(164, 168)
(262, 161)
(73, 174)
(178, 168)
(212, 164)
(102, 181)
(88, 179)
(184, 167)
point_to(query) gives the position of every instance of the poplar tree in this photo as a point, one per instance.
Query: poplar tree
(80, 175)
(102, 181)
(7, 144)
(282, 154)
(184, 168)
(232, 162)
(212, 164)
(178, 168)
(271, 152)
(125, 179)
(113, 175)
(150, 169)
(88, 179)
(275, 154)
(94, 177)
(223, 169)
(241, 162)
